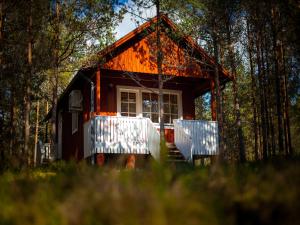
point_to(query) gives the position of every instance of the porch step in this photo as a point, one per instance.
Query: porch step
(174, 155)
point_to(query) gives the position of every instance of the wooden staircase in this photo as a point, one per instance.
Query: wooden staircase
(174, 155)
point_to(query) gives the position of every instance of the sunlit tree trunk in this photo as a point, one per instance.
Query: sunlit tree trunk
(218, 92)
(36, 133)
(27, 104)
(242, 153)
(55, 78)
(160, 80)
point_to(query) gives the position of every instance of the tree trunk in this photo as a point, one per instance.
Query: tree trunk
(266, 93)
(253, 92)
(286, 106)
(36, 133)
(278, 71)
(218, 93)
(12, 122)
(261, 96)
(160, 82)
(55, 79)
(46, 124)
(27, 105)
(242, 153)
(270, 111)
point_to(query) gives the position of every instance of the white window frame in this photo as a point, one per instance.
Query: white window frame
(75, 121)
(139, 105)
(137, 93)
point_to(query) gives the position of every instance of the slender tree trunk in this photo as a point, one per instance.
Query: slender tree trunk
(286, 107)
(253, 93)
(1, 34)
(27, 105)
(218, 92)
(269, 105)
(2, 155)
(12, 122)
(278, 71)
(266, 93)
(160, 81)
(55, 79)
(46, 124)
(36, 133)
(261, 95)
(242, 153)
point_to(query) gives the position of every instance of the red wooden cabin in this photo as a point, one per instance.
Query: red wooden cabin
(111, 107)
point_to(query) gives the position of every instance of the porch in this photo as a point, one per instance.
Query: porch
(133, 135)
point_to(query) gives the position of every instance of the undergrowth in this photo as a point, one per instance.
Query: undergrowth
(70, 193)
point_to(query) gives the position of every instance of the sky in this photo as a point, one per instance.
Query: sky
(128, 23)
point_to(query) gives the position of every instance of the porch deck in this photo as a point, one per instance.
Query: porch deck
(132, 135)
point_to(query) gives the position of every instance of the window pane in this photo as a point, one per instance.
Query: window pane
(174, 109)
(147, 115)
(146, 106)
(173, 117)
(146, 96)
(132, 107)
(166, 98)
(124, 96)
(154, 118)
(167, 118)
(173, 99)
(155, 107)
(132, 114)
(124, 107)
(166, 108)
(124, 114)
(154, 97)
(132, 97)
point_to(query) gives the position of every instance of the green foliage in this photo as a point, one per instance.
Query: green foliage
(80, 194)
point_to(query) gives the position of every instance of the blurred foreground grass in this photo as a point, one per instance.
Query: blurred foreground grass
(80, 194)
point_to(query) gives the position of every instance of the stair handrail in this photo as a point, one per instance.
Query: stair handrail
(153, 140)
(183, 141)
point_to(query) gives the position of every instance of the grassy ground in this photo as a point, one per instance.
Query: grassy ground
(80, 194)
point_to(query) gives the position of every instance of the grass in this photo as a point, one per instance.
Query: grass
(80, 194)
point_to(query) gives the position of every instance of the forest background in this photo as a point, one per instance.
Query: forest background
(43, 43)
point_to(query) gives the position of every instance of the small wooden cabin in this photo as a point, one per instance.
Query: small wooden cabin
(110, 108)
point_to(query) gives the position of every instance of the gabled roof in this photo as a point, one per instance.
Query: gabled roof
(168, 23)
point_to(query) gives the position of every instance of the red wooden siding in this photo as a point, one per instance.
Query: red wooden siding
(141, 57)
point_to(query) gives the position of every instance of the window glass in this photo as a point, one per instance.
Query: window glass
(74, 122)
(128, 104)
(170, 107)
(150, 107)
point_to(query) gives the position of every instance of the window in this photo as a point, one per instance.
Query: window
(138, 102)
(150, 106)
(74, 122)
(128, 103)
(170, 107)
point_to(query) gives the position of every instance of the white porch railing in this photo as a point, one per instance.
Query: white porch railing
(123, 135)
(183, 142)
(196, 137)
(153, 140)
